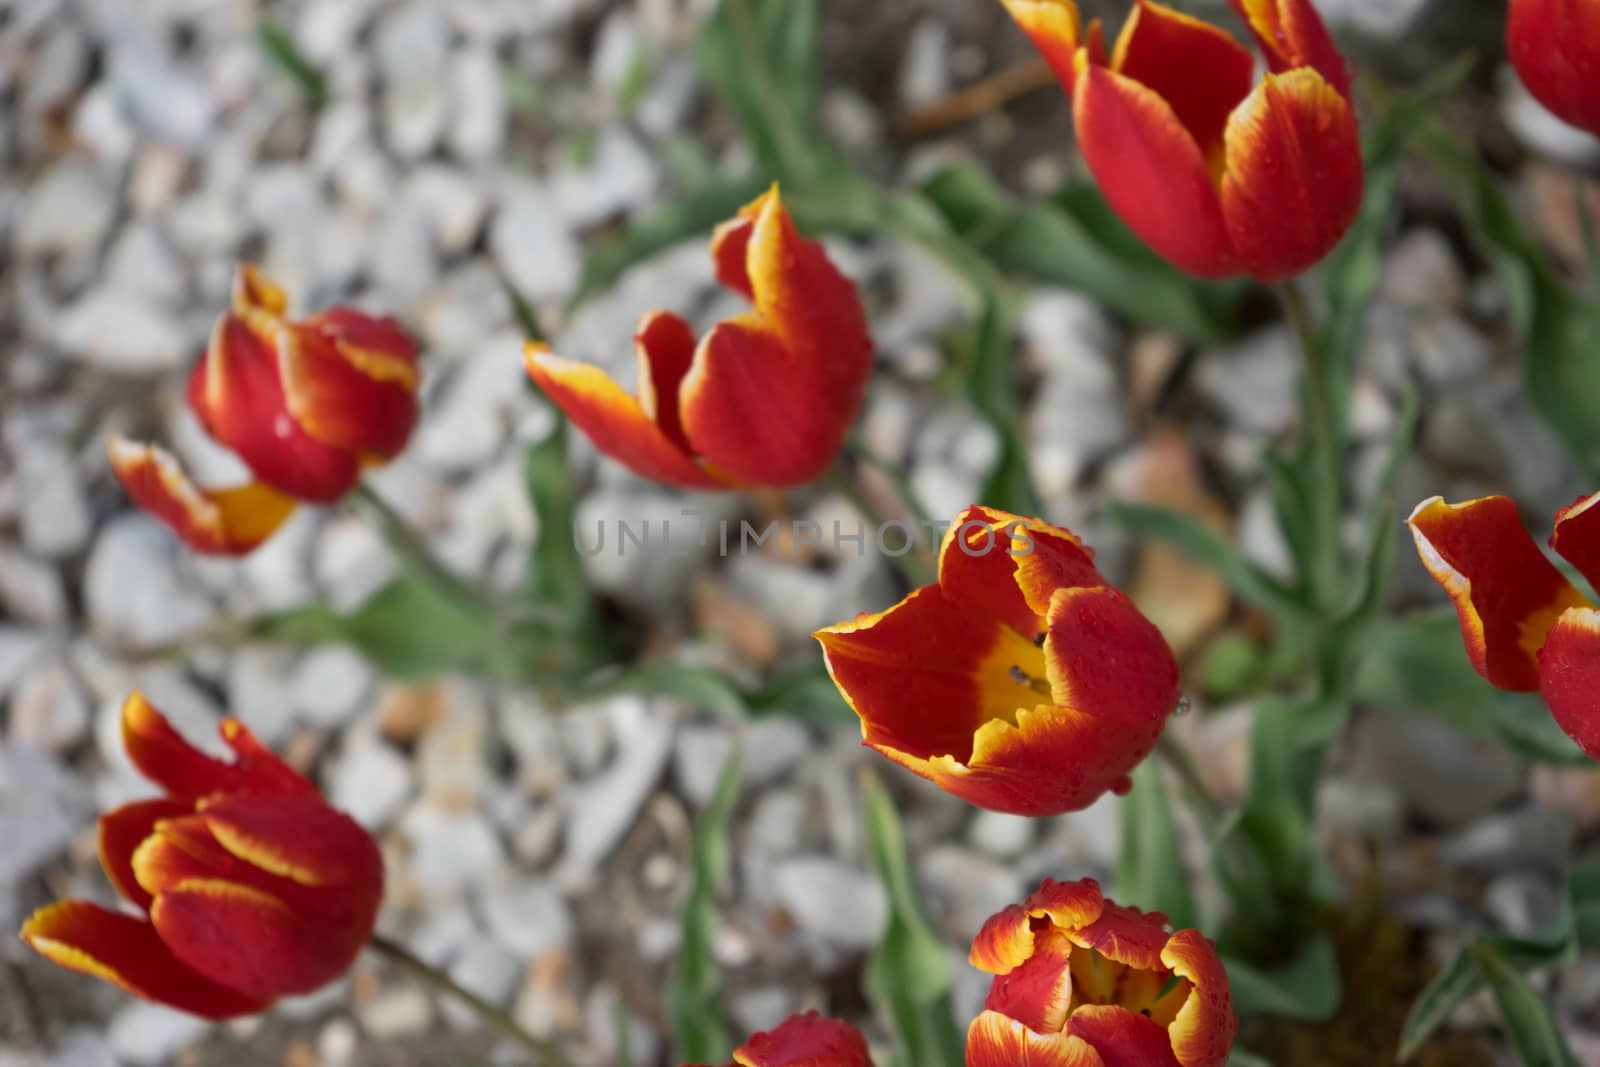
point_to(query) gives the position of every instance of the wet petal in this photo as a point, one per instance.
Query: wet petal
(988, 556)
(228, 522)
(1197, 68)
(613, 420)
(1126, 935)
(1507, 594)
(1555, 47)
(1106, 659)
(1292, 34)
(128, 952)
(1294, 175)
(1038, 993)
(996, 1041)
(1123, 1038)
(1153, 172)
(1203, 1032)
(1005, 941)
(808, 1040)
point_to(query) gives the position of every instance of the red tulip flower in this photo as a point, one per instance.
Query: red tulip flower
(249, 886)
(1083, 982)
(1526, 627)
(807, 1040)
(305, 404)
(1555, 47)
(764, 399)
(1021, 681)
(1220, 174)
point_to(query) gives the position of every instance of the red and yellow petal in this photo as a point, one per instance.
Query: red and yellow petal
(122, 831)
(665, 346)
(999, 564)
(260, 769)
(1004, 942)
(1054, 28)
(361, 400)
(1039, 992)
(613, 420)
(1054, 760)
(808, 1040)
(247, 939)
(1197, 68)
(254, 292)
(1203, 1031)
(996, 1041)
(1104, 658)
(1507, 594)
(162, 755)
(1292, 34)
(1126, 935)
(1577, 537)
(1555, 47)
(925, 675)
(1294, 176)
(1569, 676)
(238, 392)
(228, 522)
(129, 952)
(301, 839)
(1123, 1038)
(1152, 171)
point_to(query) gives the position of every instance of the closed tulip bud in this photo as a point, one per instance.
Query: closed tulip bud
(1021, 681)
(1083, 982)
(249, 886)
(1555, 47)
(808, 1040)
(1219, 173)
(764, 399)
(305, 404)
(1526, 627)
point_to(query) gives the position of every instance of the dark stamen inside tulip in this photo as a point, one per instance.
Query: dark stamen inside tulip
(1022, 677)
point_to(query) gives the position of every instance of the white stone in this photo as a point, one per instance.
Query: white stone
(149, 1035)
(602, 809)
(832, 901)
(487, 969)
(49, 709)
(530, 239)
(450, 202)
(371, 782)
(1002, 835)
(258, 690)
(162, 96)
(925, 71)
(619, 175)
(477, 106)
(411, 45)
(529, 919)
(67, 212)
(450, 850)
(123, 331)
(132, 594)
(397, 1013)
(329, 684)
(142, 261)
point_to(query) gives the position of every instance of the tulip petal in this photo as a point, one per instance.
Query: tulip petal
(359, 399)
(1152, 172)
(1053, 27)
(1123, 1038)
(808, 1040)
(664, 344)
(996, 1041)
(1577, 537)
(1000, 564)
(122, 831)
(1555, 47)
(227, 522)
(1004, 942)
(1294, 175)
(1197, 68)
(1202, 1033)
(926, 674)
(162, 755)
(1569, 676)
(1126, 935)
(247, 939)
(1039, 993)
(1506, 593)
(237, 391)
(1103, 657)
(804, 348)
(301, 839)
(254, 291)
(128, 952)
(613, 420)
(1292, 34)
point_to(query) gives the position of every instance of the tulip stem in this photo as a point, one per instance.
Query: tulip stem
(1591, 244)
(912, 564)
(545, 1053)
(1324, 567)
(1202, 801)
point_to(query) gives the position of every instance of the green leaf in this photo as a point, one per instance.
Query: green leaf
(700, 687)
(691, 214)
(907, 976)
(1150, 871)
(408, 629)
(760, 57)
(555, 570)
(1457, 981)
(700, 1033)
(1418, 664)
(1209, 548)
(803, 693)
(1307, 987)
(1240, 1057)
(278, 46)
(1526, 1016)
(624, 1036)
(1076, 240)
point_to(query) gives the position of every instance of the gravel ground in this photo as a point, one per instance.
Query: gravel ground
(540, 858)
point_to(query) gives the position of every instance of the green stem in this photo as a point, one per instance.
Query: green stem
(791, 142)
(1591, 245)
(913, 565)
(894, 473)
(545, 1053)
(1202, 801)
(1324, 576)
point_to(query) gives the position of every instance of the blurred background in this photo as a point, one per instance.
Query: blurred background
(421, 156)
